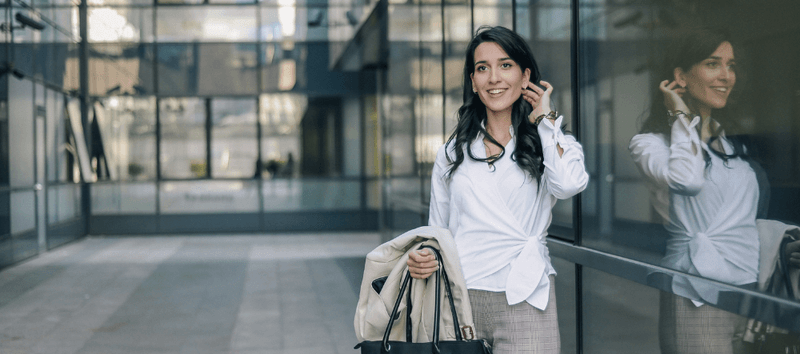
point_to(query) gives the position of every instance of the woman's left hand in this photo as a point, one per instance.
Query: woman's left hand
(538, 98)
(793, 253)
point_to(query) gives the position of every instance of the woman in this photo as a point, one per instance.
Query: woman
(494, 185)
(690, 150)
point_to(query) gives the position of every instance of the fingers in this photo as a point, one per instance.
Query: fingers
(793, 250)
(547, 86)
(794, 261)
(532, 97)
(421, 264)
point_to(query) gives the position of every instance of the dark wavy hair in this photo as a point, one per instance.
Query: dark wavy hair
(685, 51)
(528, 151)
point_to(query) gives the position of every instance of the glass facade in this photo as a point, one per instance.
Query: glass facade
(144, 117)
(641, 243)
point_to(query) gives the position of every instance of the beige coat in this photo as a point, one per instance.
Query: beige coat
(771, 233)
(389, 260)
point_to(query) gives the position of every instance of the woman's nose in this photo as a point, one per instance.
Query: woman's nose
(726, 74)
(494, 76)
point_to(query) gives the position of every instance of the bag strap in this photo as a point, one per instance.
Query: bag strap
(449, 295)
(440, 276)
(787, 280)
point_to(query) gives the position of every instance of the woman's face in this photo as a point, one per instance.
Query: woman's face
(710, 81)
(497, 78)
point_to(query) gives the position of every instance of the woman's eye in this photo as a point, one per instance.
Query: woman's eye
(480, 68)
(506, 65)
(713, 65)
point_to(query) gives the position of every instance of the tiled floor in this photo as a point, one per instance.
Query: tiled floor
(186, 294)
(267, 294)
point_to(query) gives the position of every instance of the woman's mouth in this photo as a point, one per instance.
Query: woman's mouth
(496, 91)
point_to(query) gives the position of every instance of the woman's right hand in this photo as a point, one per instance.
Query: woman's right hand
(673, 96)
(422, 263)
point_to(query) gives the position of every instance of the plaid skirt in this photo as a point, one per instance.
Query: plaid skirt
(516, 329)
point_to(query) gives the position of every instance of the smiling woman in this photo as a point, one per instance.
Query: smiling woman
(707, 188)
(498, 206)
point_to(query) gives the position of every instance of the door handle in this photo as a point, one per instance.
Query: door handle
(38, 187)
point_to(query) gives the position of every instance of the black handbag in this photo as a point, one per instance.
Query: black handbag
(763, 338)
(458, 346)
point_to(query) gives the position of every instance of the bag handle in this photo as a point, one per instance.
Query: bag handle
(787, 281)
(440, 275)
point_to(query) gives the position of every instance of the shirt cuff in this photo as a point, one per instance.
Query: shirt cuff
(683, 132)
(550, 133)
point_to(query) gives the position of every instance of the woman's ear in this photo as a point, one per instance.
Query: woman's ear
(472, 82)
(527, 75)
(680, 76)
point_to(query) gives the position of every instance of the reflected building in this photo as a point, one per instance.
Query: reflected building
(203, 116)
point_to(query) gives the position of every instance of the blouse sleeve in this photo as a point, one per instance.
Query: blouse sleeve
(678, 164)
(565, 175)
(439, 212)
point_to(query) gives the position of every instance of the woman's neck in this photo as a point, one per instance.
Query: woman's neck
(497, 126)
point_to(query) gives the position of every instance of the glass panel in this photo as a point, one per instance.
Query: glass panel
(116, 69)
(351, 114)
(399, 135)
(305, 194)
(565, 305)
(128, 130)
(283, 66)
(621, 316)
(20, 127)
(280, 116)
(23, 213)
(4, 132)
(207, 69)
(120, 2)
(123, 198)
(209, 197)
(5, 218)
(662, 190)
(373, 145)
(374, 194)
(290, 22)
(457, 23)
(52, 204)
(431, 23)
(177, 69)
(227, 69)
(183, 138)
(66, 28)
(56, 135)
(234, 144)
(207, 23)
(120, 24)
(69, 201)
(404, 23)
(493, 16)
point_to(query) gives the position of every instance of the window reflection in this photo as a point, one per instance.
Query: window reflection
(280, 116)
(128, 134)
(234, 149)
(119, 24)
(183, 138)
(116, 69)
(706, 217)
(217, 23)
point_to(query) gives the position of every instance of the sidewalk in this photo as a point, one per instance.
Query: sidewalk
(273, 294)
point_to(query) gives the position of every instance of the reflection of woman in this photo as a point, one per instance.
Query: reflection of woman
(497, 201)
(691, 149)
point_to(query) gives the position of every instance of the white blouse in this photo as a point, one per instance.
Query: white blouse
(712, 210)
(499, 217)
